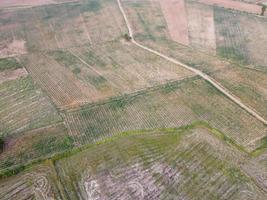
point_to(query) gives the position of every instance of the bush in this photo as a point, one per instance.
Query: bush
(2, 143)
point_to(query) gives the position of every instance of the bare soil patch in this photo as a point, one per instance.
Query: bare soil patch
(201, 27)
(11, 3)
(8, 75)
(12, 48)
(236, 5)
(175, 14)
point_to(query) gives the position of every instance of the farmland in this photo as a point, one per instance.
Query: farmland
(145, 165)
(133, 99)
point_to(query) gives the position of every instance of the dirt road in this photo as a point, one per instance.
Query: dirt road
(198, 72)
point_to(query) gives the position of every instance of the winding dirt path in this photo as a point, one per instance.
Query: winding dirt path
(198, 72)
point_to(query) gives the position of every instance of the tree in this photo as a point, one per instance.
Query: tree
(127, 37)
(2, 142)
(263, 9)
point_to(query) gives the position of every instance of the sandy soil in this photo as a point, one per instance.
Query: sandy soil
(175, 15)
(201, 27)
(12, 48)
(9, 75)
(236, 5)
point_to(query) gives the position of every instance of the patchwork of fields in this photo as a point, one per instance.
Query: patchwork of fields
(85, 113)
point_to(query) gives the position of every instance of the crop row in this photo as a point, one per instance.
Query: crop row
(24, 106)
(154, 166)
(170, 106)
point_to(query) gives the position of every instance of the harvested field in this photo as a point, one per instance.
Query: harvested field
(59, 83)
(187, 164)
(201, 27)
(171, 105)
(235, 5)
(24, 106)
(176, 18)
(36, 183)
(35, 144)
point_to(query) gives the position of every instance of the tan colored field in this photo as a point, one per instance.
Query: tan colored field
(175, 15)
(18, 3)
(60, 83)
(236, 5)
(12, 48)
(201, 27)
(9, 75)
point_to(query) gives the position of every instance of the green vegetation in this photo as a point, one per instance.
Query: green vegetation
(53, 144)
(97, 81)
(9, 64)
(127, 37)
(64, 57)
(91, 6)
(232, 53)
(2, 143)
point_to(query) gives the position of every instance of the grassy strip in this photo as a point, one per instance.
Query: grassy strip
(261, 148)
(180, 130)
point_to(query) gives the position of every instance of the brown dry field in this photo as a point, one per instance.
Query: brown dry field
(11, 48)
(175, 16)
(60, 84)
(9, 75)
(201, 27)
(255, 29)
(18, 3)
(236, 5)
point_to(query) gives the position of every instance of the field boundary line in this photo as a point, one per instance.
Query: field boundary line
(213, 82)
(134, 93)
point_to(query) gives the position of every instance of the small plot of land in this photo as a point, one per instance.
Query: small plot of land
(24, 106)
(147, 20)
(9, 75)
(236, 5)
(188, 164)
(10, 48)
(171, 105)
(60, 84)
(10, 69)
(175, 15)
(34, 144)
(255, 29)
(201, 27)
(36, 183)
(231, 40)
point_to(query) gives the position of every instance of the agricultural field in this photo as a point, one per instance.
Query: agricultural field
(171, 105)
(24, 106)
(190, 162)
(133, 99)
